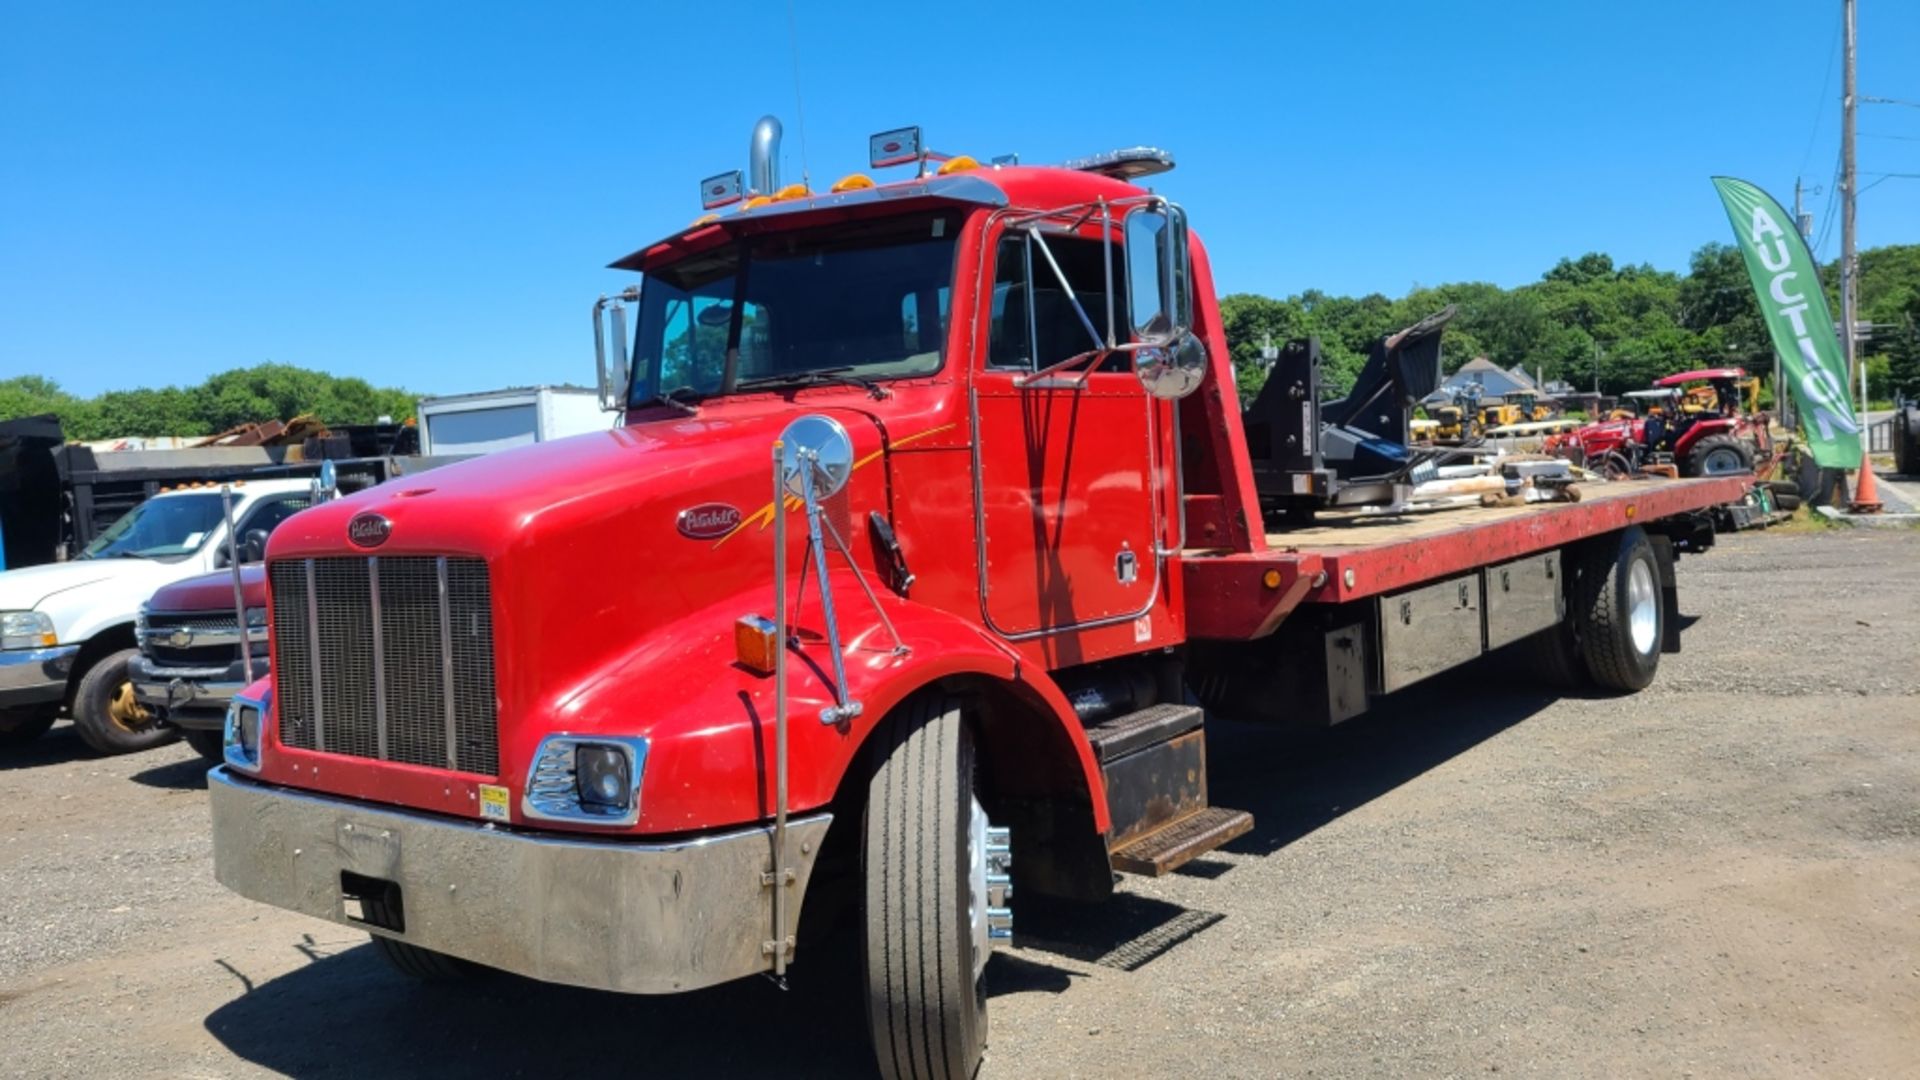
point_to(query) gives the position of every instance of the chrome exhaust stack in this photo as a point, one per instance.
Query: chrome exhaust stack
(763, 156)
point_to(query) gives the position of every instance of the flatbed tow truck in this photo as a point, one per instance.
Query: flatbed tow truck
(928, 544)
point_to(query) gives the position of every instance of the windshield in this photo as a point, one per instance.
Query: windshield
(868, 300)
(159, 528)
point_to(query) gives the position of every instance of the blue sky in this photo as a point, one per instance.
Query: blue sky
(426, 194)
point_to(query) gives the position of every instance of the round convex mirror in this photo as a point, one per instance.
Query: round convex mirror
(821, 441)
(1172, 371)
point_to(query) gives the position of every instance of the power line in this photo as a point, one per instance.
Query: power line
(1877, 135)
(1889, 101)
(1833, 48)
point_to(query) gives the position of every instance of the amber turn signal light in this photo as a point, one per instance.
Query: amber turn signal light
(755, 643)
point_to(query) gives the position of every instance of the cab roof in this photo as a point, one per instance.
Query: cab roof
(1036, 187)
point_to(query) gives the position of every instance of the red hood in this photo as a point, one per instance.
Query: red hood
(582, 537)
(603, 483)
(212, 592)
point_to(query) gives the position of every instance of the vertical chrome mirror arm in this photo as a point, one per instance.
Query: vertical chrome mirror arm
(899, 647)
(844, 707)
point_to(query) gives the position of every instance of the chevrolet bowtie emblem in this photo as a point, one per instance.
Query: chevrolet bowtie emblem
(181, 638)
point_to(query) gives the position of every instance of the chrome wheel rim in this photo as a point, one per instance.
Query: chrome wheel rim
(1643, 611)
(977, 888)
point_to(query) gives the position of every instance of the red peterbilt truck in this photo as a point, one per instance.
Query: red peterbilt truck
(927, 542)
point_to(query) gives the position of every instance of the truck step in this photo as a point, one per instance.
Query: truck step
(1172, 846)
(1154, 724)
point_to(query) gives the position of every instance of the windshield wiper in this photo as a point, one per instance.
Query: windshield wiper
(818, 377)
(672, 397)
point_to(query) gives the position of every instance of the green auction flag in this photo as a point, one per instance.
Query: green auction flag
(1788, 286)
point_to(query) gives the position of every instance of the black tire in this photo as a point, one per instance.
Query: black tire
(208, 744)
(1784, 501)
(1720, 449)
(1606, 590)
(18, 727)
(106, 726)
(1906, 441)
(414, 962)
(424, 965)
(925, 1009)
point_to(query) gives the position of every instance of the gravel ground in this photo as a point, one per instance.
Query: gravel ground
(1719, 876)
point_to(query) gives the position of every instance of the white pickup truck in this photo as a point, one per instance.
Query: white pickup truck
(67, 629)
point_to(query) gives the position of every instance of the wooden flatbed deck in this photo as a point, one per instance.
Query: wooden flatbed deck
(1350, 556)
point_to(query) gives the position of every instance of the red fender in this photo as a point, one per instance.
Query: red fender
(709, 719)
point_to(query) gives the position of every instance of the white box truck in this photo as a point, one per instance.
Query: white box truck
(464, 424)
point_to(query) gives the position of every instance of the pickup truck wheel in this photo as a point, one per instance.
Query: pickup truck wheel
(1617, 611)
(208, 744)
(925, 1005)
(107, 716)
(18, 727)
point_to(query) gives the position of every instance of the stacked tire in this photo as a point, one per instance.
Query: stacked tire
(1906, 439)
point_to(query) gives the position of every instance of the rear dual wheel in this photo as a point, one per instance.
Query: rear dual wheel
(1616, 617)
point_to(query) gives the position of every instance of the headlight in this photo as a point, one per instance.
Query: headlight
(603, 777)
(256, 616)
(586, 778)
(241, 741)
(26, 630)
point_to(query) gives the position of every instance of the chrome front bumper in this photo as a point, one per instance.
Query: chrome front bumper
(35, 676)
(641, 918)
(191, 697)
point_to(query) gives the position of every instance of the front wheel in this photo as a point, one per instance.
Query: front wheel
(208, 744)
(924, 953)
(106, 714)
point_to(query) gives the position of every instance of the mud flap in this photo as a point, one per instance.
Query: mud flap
(1663, 557)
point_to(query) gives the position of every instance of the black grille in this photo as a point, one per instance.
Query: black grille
(383, 686)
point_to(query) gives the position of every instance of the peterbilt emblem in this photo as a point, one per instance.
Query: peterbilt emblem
(369, 530)
(181, 638)
(708, 521)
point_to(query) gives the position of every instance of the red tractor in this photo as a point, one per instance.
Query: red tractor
(1696, 419)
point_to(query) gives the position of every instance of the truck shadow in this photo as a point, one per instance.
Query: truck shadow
(59, 746)
(188, 775)
(347, 1014)
(1296, 781)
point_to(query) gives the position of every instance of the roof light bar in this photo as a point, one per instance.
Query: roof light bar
(1129, 164)
(722, 190)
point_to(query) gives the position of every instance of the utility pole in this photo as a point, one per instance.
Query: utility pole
(1848, 190)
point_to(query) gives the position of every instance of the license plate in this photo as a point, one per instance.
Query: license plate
(494, 805)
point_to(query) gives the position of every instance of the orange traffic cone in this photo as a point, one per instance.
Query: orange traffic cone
(1866, 495)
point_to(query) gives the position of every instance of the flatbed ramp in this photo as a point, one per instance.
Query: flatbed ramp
(1350, 556)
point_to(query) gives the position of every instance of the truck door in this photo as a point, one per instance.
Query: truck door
(1067, 503)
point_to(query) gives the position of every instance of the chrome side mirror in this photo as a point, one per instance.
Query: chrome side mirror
(816, 445)
(1157, 293)
(612, 377)
(326, 486)
(1172, 371)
